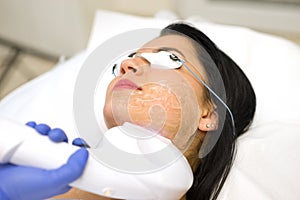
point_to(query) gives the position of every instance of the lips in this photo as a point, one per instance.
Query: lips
(126, 84)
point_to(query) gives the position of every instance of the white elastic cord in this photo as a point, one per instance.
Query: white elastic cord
(207, 87)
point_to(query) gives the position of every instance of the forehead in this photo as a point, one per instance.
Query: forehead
(169, 39)
(181, 43)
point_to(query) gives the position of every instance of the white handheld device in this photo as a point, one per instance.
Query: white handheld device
(21, 145)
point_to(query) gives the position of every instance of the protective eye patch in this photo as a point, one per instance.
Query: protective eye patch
(159, 60)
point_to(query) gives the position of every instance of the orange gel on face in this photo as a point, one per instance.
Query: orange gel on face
(157, 108)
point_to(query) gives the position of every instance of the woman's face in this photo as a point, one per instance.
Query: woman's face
(168, 101)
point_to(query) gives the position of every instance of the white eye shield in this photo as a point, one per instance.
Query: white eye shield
(159, 60)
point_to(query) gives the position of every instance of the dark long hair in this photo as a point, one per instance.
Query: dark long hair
(214, 168)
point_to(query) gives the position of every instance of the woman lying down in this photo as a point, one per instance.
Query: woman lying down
(183, 87)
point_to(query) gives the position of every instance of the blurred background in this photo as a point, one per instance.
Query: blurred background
(37, 34)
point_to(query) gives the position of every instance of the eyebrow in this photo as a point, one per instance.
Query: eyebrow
(170, 49)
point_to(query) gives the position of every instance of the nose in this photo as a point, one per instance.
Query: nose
(134, 65)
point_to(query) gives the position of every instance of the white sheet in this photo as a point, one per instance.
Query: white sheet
(267, 161)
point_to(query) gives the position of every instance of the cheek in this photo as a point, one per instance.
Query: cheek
(156, 108)
(197, 87)
(166, 104)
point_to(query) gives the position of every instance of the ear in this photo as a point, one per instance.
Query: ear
(208, 122)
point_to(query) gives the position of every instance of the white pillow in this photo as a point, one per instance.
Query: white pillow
(266, 166)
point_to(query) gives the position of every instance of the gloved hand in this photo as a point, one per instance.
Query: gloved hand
(19, 182)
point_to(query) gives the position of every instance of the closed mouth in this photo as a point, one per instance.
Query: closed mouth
(126, 84)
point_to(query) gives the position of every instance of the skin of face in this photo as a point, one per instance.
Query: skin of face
(138, 68)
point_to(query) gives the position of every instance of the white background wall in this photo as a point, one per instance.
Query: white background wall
(261, 15)
(62, 27)
(55, 28)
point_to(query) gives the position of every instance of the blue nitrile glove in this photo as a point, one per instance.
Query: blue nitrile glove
(56, 134)
(19, 182)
